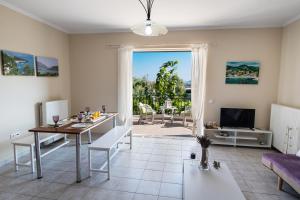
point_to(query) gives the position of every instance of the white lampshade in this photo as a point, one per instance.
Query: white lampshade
(149, 28)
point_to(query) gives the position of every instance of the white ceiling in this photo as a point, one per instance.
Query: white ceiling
(91, 16)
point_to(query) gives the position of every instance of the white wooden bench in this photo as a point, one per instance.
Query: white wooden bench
(28, 141)
(106, 143)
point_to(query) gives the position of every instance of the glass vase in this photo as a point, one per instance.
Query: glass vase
(204, 160)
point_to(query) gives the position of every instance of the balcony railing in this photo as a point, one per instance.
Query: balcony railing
(156, 102)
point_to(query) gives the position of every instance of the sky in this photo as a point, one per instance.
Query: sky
(148, 63)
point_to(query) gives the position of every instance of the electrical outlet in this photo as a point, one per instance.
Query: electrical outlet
(15, 134)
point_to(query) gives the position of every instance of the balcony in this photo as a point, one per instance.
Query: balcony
(155, 118)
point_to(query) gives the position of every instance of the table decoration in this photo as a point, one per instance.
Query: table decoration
(205, 143)
(55, 120)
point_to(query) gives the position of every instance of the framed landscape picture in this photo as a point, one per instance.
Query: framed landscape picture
(17, 64)
(242, 72)
(46, 66)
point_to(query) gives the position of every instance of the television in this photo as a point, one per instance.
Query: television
(237, 118)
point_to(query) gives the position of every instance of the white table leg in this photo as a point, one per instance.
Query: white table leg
(78, 158)
(90, 161)
(114, 121)
(108, 164)
(15, 158)
(32, 158)
(38, 155)
(131, 139)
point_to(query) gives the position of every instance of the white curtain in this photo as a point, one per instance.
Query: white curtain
(125, 85)
(199, 54)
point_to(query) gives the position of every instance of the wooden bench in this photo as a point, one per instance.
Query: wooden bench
(28, 141)
(106, 143)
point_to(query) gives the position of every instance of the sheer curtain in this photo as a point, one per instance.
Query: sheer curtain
(125, 85)
(199, 56)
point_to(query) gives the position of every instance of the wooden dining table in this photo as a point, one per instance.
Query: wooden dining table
(68, 129)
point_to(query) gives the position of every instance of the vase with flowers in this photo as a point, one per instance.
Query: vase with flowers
(205, 142)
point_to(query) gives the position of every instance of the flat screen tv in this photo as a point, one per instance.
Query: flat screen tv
(237, 118)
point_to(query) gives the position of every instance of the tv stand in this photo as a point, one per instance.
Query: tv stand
(239, 128)
(240, 137)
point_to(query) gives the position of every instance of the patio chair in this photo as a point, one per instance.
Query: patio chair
(186, 114)
(145, 111)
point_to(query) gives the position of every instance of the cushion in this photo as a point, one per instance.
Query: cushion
(284, 165)
(143, 109)
(289, 171)
(269, 159)
(298, 153)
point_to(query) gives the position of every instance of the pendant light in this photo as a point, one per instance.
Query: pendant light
(148, 27)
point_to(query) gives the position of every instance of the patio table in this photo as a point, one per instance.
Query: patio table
(163, 110)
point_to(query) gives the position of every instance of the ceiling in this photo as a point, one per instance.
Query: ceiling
(96, 16)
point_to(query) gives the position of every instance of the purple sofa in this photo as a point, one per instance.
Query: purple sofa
(286, 166)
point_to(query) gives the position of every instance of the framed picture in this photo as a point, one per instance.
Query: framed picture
(242, 72)
(17, 64)
(46, 66)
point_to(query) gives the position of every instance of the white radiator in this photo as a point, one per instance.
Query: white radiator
(285, 125)
(50, 108)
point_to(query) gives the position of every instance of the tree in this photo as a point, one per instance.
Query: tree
(168, 84)
(143, 92)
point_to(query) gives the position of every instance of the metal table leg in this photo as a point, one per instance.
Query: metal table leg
(38, 155)
(108, 164)
(78, 158)
(172, 116)
(114, 121)
(15, 158)
(90, 137)
(131, 139)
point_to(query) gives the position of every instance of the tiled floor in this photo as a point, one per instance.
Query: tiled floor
(152, 170)
(147, 128)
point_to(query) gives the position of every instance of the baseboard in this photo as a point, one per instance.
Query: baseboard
(10, 159)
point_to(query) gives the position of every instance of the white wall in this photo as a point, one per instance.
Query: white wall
(94, 67)
(20, 94)
(289, 82)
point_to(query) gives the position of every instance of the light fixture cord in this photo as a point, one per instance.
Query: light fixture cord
(147, 7)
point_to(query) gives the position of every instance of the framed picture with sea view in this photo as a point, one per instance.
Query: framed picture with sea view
(17, 64)
(46, 66)
(242, 72)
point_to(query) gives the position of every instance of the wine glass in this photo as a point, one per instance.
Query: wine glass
(87, 110)
(104, 108)
(80, 117)
(55, 120)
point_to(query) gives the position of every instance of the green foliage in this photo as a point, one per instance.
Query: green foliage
(28, 70)
(143, 91)
(168, 86)
(10, 66)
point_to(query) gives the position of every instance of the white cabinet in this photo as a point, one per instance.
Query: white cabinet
(285, 125)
